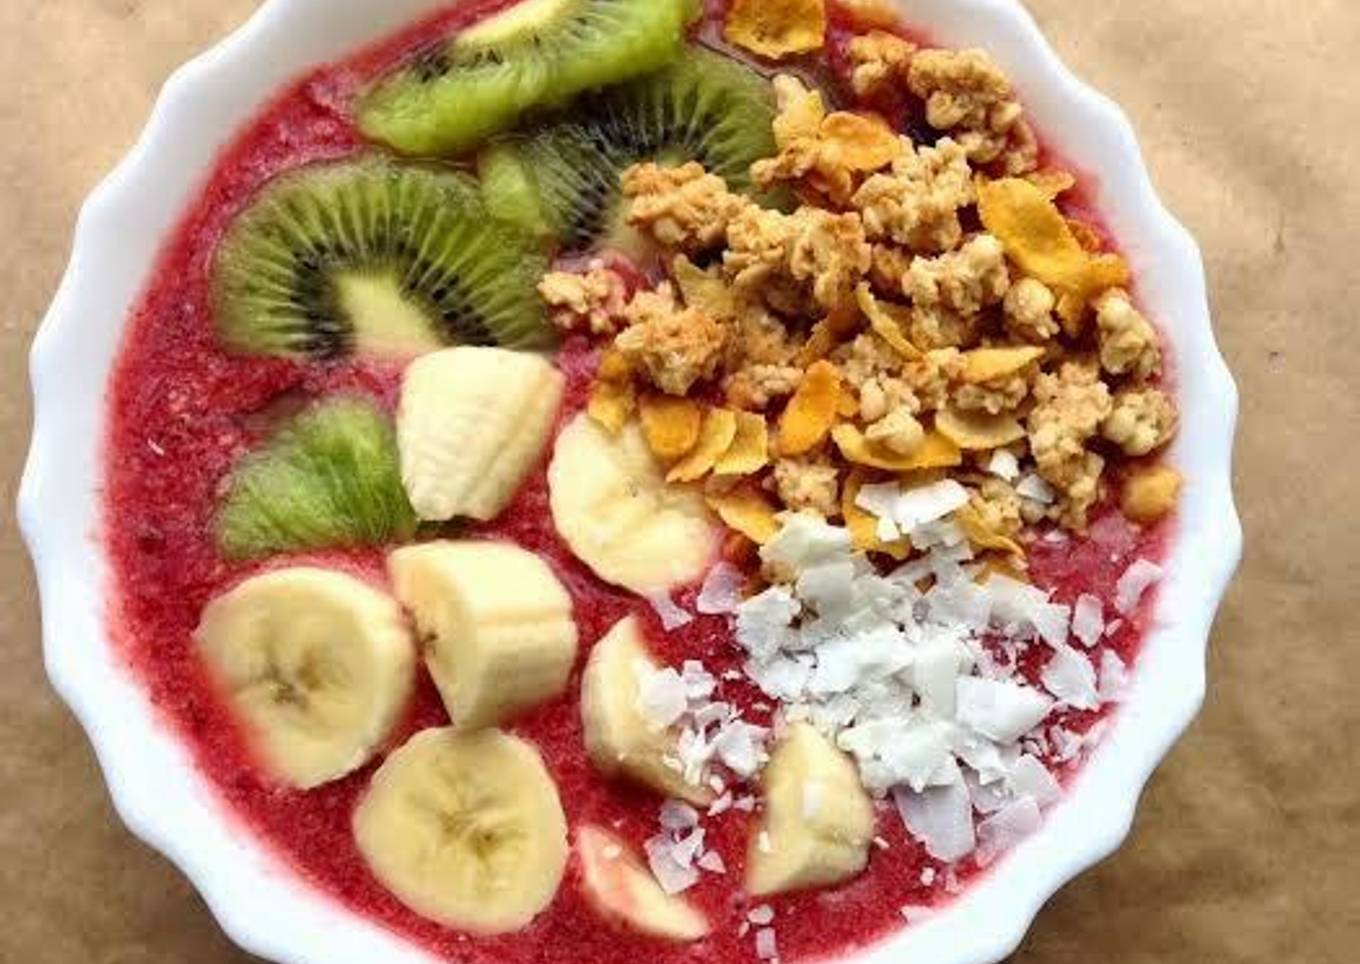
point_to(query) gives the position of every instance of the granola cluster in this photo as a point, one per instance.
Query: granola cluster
(919, 310)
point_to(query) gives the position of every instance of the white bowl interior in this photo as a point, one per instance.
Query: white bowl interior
(261, 904)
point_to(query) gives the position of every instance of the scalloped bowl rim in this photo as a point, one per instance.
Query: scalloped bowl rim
(261, 904)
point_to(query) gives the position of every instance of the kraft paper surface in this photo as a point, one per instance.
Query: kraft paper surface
(1245, 849)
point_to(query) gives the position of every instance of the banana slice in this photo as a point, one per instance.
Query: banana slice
(612, 505)
(624, 892)
(319, 665)
(471, 425)
(497, 626)
(619, 737)
(818, 821)
(466, 829)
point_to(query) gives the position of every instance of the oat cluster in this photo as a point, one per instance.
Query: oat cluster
(887, 309)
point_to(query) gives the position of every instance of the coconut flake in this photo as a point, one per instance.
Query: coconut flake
(1035, 489)
(1030, 778)
(767, 947)
(1004, 465)
(917, 915)
(1141, 576)
(805, 541)
(1000, 709)
(1071, 678)
(677, 815)
(673, 876)
(721, 592)
(1114, 677)
(1002, 831)
(941, 818)
(662, 696)
(761, 916)
(1088, 619)
(672, 616)
(712, 862)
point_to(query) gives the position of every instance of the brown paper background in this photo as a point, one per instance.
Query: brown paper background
(1246, 849)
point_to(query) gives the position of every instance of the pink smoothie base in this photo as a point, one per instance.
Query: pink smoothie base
(182, 412)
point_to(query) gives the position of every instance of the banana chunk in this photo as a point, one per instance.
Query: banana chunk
(318, 664)
(619, 738)
(612, 505)
(471, 425)
(496, 624)
(624, 892)
(466, 829)
(818, 822)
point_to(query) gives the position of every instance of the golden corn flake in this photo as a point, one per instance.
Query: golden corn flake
(812, 410)
(888, 321)
(978, 431)
(986, 364)
(614, 367)
(801, 111)
(750, 450)
(1038, 238)
(1088, 237)
(938, 451)
(747, 511)
(1011, 568)
(860, 142)
(1053, 181)
(611, 404)
(777, 28)
(670, 424)
(871, 13)
(715, 437)
(982, 536)
(705, 290)
(863, 526)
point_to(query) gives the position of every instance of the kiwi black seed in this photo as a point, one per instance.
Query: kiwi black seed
(450, 97)
(374, 257)
(327, 478)
(564, 171)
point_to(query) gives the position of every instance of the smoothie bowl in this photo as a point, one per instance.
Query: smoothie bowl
(597, 478)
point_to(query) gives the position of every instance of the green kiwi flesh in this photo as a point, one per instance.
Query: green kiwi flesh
(450, 98)
(373, 257)
(706, 108)
(328, 478)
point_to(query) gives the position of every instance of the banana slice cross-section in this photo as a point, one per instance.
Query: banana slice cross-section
(318, 664)
(612, 505)
(496, 624)
(471, 425)
(624, 892)
(818, 822)
(619, 738)
(466, 829)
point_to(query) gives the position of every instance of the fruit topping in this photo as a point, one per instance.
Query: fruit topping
(318, 664)
(624, 892)
(328, 478)
(472, 423)
(466, 829)
(372, 257)
(495, 624)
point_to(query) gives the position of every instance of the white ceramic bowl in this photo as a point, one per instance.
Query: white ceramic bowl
(160, 795)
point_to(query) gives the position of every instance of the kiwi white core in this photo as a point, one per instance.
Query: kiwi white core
(526, 17)
(385, 321)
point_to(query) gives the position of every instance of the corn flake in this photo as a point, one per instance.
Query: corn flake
(983, 536)
(1038, 238)
(938, 451)
(750, 450)
(611, 404)
(715, 438)
(863, 526)
(747, 511)
(671, 425)
(860, 142)
(985, 364)
(812, 410)
(777, 28)
(888, 321)
(1053, 181)
(978, 431)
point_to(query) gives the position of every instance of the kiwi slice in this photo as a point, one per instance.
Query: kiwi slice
(451, 97)
(564, 171)
(327, 478)
(373, 257)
